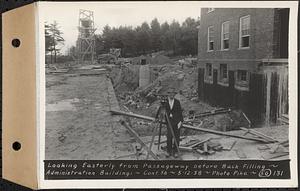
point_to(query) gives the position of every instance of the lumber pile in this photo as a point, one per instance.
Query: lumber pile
(205, 146)
(272, 151)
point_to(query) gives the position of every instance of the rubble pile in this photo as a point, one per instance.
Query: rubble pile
(161, 60)
(181, 75)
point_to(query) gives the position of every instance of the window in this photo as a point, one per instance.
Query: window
(208, 77)
(242, 80)
(208, 69)
(223, 72)
(245, 31)
(225, 36)
(242, 75)
(210, 38)
(210, 10)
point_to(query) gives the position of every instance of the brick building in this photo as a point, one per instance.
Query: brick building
(242, 56)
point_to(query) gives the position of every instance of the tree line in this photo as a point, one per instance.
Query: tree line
(175, 38)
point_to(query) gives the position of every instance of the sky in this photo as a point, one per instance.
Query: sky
(115, 14)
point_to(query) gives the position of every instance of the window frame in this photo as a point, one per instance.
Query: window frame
(206, 68)
(208, 78)
(241, 84)
(222, 35)
(208, 39)
(240, 32)
(221, 79)
(222, 72)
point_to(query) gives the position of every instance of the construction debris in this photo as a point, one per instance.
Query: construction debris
(284, 119)
(213, 112)
(268, 155)
(136, 136)
(229, 145)
(191, 127)
(260, 135)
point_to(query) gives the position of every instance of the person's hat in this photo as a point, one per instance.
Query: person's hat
(172, 90)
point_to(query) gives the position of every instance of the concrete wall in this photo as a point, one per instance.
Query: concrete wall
(144, 75)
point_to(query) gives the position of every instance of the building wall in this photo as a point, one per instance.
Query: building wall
(261, 37)
(252, 97)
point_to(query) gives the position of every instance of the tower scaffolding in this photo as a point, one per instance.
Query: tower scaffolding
(86, 36)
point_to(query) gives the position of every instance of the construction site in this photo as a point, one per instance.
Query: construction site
(103, 107)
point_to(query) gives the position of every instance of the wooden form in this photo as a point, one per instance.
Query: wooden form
(192, 127)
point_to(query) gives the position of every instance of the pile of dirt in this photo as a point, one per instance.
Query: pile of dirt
(161, 60)
(146, 100)
(163, 83)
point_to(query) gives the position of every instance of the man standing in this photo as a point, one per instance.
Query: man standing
(174, 112)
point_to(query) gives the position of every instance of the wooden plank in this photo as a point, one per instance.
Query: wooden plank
(190, 127)
(263, 147)
(200, 142)
(263, 135)
(268, 155)
(200, 151)
(248, 120)
(259, 134)
(214, 112)
(205, 149)
(138, 139)
(185, 148)
(190, 143)
(232, 145)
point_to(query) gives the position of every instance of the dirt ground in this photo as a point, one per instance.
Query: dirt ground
(80, 126)
(78, 122)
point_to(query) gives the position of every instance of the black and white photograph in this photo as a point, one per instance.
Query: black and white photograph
(137, 85)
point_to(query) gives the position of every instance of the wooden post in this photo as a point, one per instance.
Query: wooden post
(268, 97)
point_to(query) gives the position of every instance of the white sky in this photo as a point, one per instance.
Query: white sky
(115, 14)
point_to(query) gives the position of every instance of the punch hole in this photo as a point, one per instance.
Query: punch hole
(16, 42)
(16, 146)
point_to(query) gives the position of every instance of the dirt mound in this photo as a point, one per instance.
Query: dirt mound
(161, 60)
